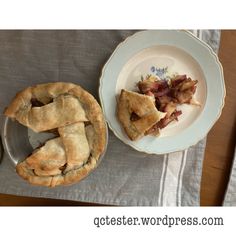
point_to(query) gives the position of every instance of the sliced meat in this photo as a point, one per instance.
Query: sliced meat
(168, 95)
(167, 120)
(177, 80)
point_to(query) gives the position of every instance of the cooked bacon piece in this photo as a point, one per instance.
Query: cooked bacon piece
(188, 84)
(162, 92)
(163, 123)
(177, 80)
(167, 96)
(163, 84)
(184, 97)
(166, 120)
(165, 99)
(152, 84)
(177, 114)
(183, 90)
(148, 85)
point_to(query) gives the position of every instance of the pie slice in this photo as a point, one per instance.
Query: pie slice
(137, 113)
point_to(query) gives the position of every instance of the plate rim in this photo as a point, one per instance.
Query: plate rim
(202, 43)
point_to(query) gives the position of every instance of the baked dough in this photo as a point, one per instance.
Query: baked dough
(143, 107)
(81, 127)
(76, 145)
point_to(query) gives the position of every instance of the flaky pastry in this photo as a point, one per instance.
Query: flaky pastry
(137, 113)
(77, 118)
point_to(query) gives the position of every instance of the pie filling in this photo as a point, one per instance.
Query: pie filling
(134, 117)
(36, 103)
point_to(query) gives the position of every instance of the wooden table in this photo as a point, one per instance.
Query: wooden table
(221, 139)
(220, 142)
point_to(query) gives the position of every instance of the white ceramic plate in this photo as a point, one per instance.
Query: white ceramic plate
(165, 53)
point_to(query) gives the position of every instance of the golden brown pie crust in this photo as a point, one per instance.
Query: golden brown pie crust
(143, 106)
(81, 126)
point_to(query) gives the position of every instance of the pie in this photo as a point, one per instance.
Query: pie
(137, 113)
(75, 116)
